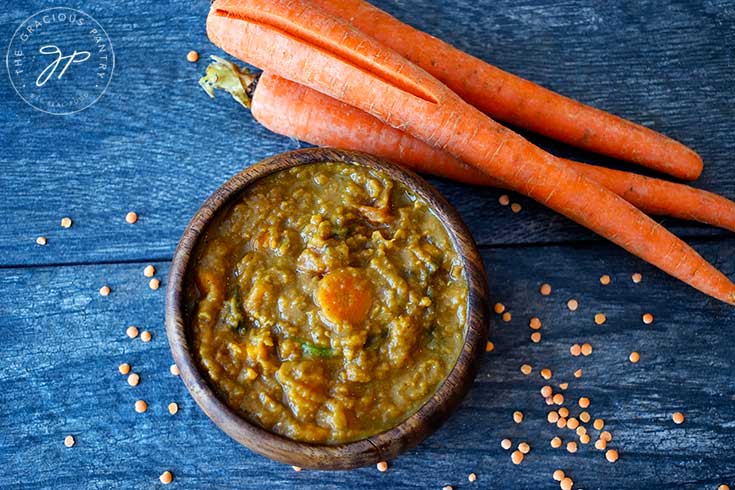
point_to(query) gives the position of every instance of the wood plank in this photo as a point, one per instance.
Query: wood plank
(156, 144)
(62, 344)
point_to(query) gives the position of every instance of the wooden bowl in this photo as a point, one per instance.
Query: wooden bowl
(383, 446)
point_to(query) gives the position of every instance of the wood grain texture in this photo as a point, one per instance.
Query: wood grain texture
(63, 342)
(157, 144)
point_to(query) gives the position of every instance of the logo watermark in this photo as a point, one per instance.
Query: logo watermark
(60, 61)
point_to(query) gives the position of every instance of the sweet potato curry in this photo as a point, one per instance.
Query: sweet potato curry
(327, 303)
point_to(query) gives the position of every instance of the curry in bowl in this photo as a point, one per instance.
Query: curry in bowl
(326, 302)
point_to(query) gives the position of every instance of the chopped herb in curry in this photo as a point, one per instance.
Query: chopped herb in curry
(327, 303)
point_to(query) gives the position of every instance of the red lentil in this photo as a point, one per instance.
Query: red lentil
(174, 370)
(611, 455)
(131, 217)
(552, 417)
(545, 289)
(515, 207)
(678, 418)
(105, 291)
(572, 304)
(558, 398)
(526, 369)
(124, 368)
(604, 279)
(556, 442)
(600, 318)
(575, 350)
(504, 200)
(634, 357)
(506, 444)
(546, 373)
(566, 483)
(564, 412)
(546, 391)
(132, 331)
(516, 457)
(535, 323)
(524, 448)
(69, 441)
(41, 241)
(586, 349)
(601, 444)
(149, 271)
(141, 406)
(584, 417)
(66, 222)
(572, 447)
(647, 318)
(584, 402)
(636, 277)
(578, 373)
(507, 316)
(499, 308)
(489, 347)
(536, 337)
(166, 477)
(558, 475)
(598, 424)
(145, 336)
(382, 466)
(517, 417)
(192, 56)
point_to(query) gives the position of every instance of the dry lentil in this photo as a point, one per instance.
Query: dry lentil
(535, 323)
(516, 457)
(636, 278)
(584, 417)
(69, 441)
(586, 349)
(145, 336)
(499, 308)
(607, 436)
(546, 373)
(41, 240)
(634, 357)
(546, 391)
(536, 337)
(561, 423)
(601, 444)
(66, 222)
(545, 289)
(558, 475)
(134, 379)
(564, 412)
(549, 400)
(517, 417)
(105, 291)
(572, 423)
(447, 487)
(611, 455)
(572, 447)
(598, 424)
(604, 279)
(552, 417)
(192, 56)
(600, 318)
(166, 477)
(132, 331)
(558, 398)
(678, 418)
(472, 477)
(556, 442)
(507, 316)
(524, 448)
(489, 347)
(131, 217)
(154, 283)
(526, 369)
(572, 304)
(296, 468)
(141, 406)
(382, 466)
(723, 487)
(584, 402)
(584, 439)
(149, 271)
(506, 444)
(575, 350)
(563, 386)
(124, 368)
(173, 408)
(566, 483)
(647, 318)
(515, 207)
(504, 200)
(578, 373)
(581, 430)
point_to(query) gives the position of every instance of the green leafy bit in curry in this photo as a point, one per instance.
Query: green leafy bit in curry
(327, 303)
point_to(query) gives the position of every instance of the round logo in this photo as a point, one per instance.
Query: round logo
(60, 61)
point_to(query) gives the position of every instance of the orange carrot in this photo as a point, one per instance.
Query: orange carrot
(512, 99)
(299, 112)
(298, 41)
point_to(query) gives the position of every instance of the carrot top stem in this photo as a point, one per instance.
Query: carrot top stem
(238, 82)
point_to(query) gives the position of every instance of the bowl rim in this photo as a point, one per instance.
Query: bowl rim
(385, 445)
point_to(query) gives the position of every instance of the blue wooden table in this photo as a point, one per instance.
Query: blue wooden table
(154, 143)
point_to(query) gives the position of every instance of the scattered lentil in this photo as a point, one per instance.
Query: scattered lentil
(566, 483)
(611, 455)
(564, 412)
(515, 207)
(558, 398)
(584, 417)
(296, 468)
(141, 406)
(647, 318)
(382, 466)
(552, 417)
(600, 318)
(546, 391)
(166, 477)
(545, 289)
(524, 448)
(105, 291)
(572, 423)
(584, 439)
(149, 271)
(124, 368)
(561, 423)
(516, 457)
(546, 373)
(192, 56)
(145, 336)
(607, 436)
(69, 441)
(598, 424)
(572, 447)
(634, 357)
(506, 444)
(131, 217)
(41, 240)
(584, 402)
(581, 430)
(636, 277)
(723, 487)
(563, 386)
(173, 408)
(535, 323)
(536, 337)
(586, 349)
(556, 442)
(549, 400)
(66, 222)
(575, 350)
(507, 316)
(154, 283)
(174, 370)
(678, 418)
(134, 379)
(601, 444)
(517, 417)
(526, 369)
(604, 279)
(558, 475)
(504, 200)
(447, 487)
(489, 347)
(578, 373)
(572, 304)
(499, 308)
(472, 477)
(132, 331)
